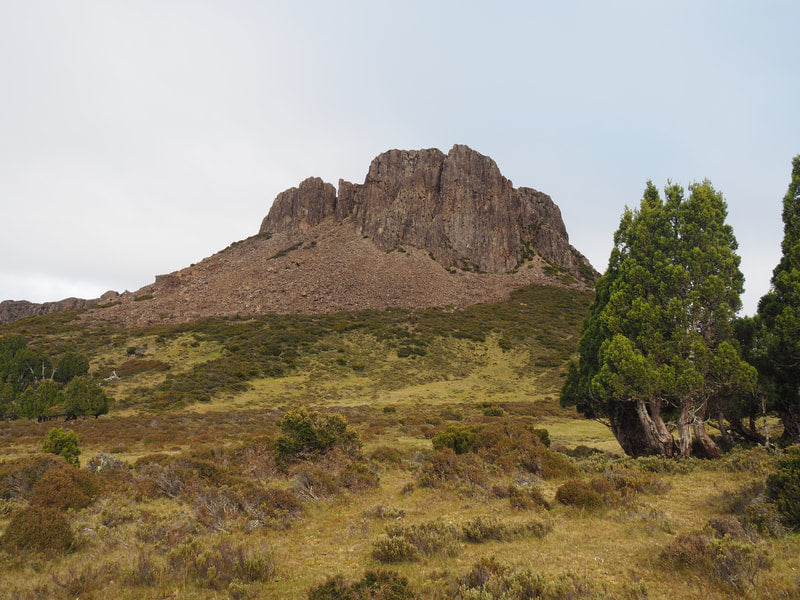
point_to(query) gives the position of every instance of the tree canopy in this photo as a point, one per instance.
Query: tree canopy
(659, 338)
(777, 326)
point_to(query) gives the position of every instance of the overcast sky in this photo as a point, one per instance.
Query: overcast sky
(137, 137)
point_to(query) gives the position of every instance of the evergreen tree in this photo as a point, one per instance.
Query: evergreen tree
(83, 397)
(659, 337)
(779, 313)
(69, 366)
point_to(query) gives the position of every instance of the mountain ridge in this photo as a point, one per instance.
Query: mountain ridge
(424, 229)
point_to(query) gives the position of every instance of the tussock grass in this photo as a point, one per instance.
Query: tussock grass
(192, 501)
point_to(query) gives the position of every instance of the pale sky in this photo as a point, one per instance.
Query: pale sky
(137, 137)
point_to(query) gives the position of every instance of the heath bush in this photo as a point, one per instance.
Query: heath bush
(579, 494)
(64, 488)
(63, 443)
(783, 488)
(410, 542)
(215, 565)
(307, 433)
(374, 585)
(38, 529)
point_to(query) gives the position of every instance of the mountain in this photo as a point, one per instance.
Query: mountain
(424, 229)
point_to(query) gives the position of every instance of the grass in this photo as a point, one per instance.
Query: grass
(200, 508)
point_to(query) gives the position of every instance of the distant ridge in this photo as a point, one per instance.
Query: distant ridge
(424, 229)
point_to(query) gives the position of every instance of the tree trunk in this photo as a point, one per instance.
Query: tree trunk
(684, 436)
(654, 429)
(746, 433)
(627, 428)
(709, 448)
(791, 424)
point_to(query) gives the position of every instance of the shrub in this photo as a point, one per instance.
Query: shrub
(445, 468)
(313, 482)
(308, 433)
(456, 437)
(357, 477)
(103, 463)
(492, 579)
(385, 512)
(526, 498)
(493, 411)
(387, 455)
(62, 443)
(374, 585)
(579, 494)
(410, 542)
(271, 507)
(65, 488)
(39, 529)
(732, 561)
(480, 530)
(783, 487)
(18, 476)
(216, 565)
(630, 480)
(394, 550)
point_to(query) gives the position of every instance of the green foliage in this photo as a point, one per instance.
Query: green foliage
(492, 579)
(308, 433)
(63, 443)
(480, 530)
(659, 336)
(783, 487)
(456, 437)
(777, 337)
(38, 529)
(70, 365)
(40, 401)
(83, 397)
(374, 585)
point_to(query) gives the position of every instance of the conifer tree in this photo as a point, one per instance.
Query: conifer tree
(659, 338)
(779, 313)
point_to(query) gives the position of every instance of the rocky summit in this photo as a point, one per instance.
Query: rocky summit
(457, 206)
(424, 229)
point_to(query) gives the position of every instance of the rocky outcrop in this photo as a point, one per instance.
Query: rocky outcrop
(456, 206)
(302, 207)
(14, 310)
(424, 229)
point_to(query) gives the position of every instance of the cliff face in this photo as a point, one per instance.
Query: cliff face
(13, 310)
(424, 229)
(456, 206)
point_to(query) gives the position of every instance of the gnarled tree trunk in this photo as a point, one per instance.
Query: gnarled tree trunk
(709, 448)
(627, 428)
(791, 424)
(655, 431)
(684, 435)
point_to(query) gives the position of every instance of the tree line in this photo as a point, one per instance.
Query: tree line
(31, 386)
(662, 349)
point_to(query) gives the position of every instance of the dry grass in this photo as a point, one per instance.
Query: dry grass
(200, 487)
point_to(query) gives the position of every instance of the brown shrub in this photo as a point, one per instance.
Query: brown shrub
(730, 561)
(39, 529)
(444, 467)
(65, 487)
(579, 494)
(18, 476)
(526, 498)
(357, 477)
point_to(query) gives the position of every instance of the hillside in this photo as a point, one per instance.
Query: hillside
(184, 490)
(424, 229)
